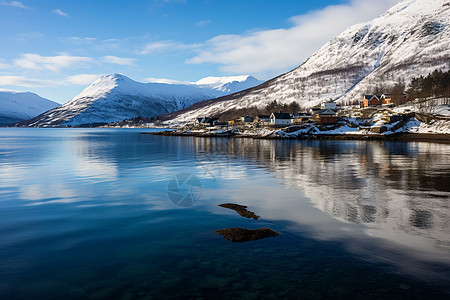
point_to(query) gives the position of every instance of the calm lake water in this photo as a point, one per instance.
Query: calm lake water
(99, 214)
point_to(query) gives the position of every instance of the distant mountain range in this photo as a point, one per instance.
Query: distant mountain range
(410, 39)
(19, 106)
(116, 97)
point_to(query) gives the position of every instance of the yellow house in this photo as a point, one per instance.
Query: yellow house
(386, 99)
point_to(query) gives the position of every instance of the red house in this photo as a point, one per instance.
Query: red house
(370, 100)
(325, 116)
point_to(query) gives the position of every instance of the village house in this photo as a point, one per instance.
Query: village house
(386, 99)
(301, 118)
(280, 119)
(246, 119)
(375, 100)
(325, 116)
(262, 119)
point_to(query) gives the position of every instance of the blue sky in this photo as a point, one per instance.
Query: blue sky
(57, 48)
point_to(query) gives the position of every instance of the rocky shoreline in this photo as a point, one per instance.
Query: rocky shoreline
(281, 135)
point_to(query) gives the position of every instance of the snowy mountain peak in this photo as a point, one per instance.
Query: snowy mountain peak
(225, 84)
(116, 97)
(115, 78)
(18, 106)
(112, 83)
(112, 79)
(223, 80)
(228, 84)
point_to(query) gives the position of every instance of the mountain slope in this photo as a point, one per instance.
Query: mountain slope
(409, 40)
(116, 97)
(20, 106)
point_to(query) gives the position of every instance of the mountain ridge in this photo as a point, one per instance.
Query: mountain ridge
(408, 40)
(116, 97)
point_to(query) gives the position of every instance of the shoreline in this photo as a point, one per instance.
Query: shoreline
(406, 137)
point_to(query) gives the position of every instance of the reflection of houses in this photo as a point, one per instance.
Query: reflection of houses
(206, 121)
(262, 119)
(375, 100)
(280, 119)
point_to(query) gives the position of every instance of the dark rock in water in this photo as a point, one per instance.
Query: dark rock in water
(240, 209)
(240, 235)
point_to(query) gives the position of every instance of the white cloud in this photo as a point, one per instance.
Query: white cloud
(23, 81)
(17, 4)
(157, 46)
(160, 46)
(123, 61)
(79, 40)
(53, 63)
(26, 81)
(82, 79)
(9, 91)
(60, 13)
(278, 49)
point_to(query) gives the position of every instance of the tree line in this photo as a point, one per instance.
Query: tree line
(436, 84)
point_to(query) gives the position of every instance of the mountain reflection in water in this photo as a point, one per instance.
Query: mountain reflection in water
(396, 193)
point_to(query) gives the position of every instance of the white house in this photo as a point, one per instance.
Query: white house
(280, 119)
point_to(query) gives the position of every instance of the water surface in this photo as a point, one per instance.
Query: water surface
(88, 214)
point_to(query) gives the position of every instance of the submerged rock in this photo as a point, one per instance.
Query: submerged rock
(240, 235)
(241, 209)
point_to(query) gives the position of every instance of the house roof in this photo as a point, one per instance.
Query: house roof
(327, 112)
(263, 117)
(281, 115)
(369, 97)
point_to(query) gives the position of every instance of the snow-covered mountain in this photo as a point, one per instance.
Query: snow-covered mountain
(228, 85)
(116, 97)
(410, 39)
(19, 106)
